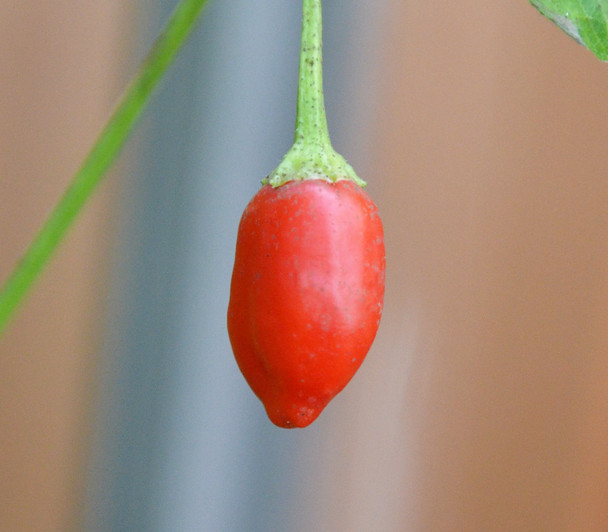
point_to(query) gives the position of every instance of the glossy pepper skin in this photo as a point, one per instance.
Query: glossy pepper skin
(306, 294)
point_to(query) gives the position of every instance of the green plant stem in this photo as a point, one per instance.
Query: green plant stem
(312, 155)
(311, 121)
(102, 155)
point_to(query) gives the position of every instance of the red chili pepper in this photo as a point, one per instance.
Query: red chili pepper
(308, 281)
(306, 295)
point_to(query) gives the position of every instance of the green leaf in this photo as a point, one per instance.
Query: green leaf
(584, 20)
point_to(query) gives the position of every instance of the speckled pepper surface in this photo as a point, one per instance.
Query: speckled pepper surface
(306, 294)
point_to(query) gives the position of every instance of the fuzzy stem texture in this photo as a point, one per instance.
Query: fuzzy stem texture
(312, 155)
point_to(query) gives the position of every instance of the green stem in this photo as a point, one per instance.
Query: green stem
(103, 153)
(312, 155)
(311, 122)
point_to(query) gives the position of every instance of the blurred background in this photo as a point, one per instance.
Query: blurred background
(483, 404)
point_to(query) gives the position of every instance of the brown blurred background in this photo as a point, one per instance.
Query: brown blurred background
(59, 75)
(496, 213)
(484, 402)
